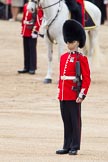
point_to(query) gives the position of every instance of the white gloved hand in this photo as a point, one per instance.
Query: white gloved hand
(34, 35)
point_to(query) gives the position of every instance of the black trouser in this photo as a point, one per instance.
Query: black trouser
(30, 53)
(75, 9)
(71, 116)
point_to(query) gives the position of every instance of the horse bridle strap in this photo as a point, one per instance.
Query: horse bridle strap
(52, 4)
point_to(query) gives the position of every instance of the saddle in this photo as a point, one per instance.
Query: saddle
(89, 22)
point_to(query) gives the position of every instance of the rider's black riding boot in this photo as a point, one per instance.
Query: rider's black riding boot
(75, 10)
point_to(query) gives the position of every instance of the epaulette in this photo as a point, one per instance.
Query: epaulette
(80, 53)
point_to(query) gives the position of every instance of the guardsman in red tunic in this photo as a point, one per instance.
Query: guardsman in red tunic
(77, 10)
(73, 85)
(31, 22)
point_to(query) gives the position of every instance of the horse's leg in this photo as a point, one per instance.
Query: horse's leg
(48, 78)
(93, 44)
(61, 47)
(85, 49)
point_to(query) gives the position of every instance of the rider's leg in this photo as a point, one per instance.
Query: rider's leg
(75, 9)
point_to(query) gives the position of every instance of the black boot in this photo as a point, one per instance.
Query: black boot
(62, 151)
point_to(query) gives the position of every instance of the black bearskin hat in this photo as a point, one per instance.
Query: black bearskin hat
(74, 31)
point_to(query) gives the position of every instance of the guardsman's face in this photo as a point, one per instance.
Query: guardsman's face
(73, 45)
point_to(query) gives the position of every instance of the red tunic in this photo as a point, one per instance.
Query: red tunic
(67, 68)
(81, 2)
(39, 19)
(27, 24)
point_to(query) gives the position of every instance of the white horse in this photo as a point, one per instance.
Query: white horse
(56, 13)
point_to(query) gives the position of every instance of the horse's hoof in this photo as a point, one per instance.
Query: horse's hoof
(46, 81)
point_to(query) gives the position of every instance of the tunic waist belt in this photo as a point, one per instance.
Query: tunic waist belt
(28, 22)
(64, 77)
